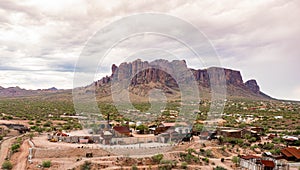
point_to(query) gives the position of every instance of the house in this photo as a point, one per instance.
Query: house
(164, 126)
(122, 131)
(268, 164)
(208, 135)
(233, 133)
(253, 132)
(252, 162)
(258, 130)
(291, 153)
(18, 127)
(290, 140)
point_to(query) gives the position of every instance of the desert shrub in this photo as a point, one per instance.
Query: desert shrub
(268, 146)
(184, 165)
(205, 160)
(222, 159)
(208, 153)
(7, 165)
(134, 167)
(168, 164)
(47, 124)
(235, 160)
(187, 157)
(46, 164)
(275, 151)
(219, 168)
(252, 139)
(253, 147)
(86, 166)
(157, 158)
(15, 147)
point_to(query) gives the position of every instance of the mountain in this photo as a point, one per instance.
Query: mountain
(139, 78)
(19, 92)
(142, 76)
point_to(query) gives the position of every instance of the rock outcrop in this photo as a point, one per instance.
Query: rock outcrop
(252, 85)
(168, 74)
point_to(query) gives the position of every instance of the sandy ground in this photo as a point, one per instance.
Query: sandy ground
(68, 156)
(20, 160)
(5, 145)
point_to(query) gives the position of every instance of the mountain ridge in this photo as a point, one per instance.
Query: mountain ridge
(143, 76)
(142, 73)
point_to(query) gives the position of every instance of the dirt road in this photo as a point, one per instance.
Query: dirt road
(5, 148)
(22, 157)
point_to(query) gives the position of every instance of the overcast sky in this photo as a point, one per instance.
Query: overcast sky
(41, 41)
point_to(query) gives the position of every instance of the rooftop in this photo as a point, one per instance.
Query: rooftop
(291, 152)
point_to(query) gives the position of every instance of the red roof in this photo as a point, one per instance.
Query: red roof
(121, 129)
(286, 153)
(250, 157)
(290, 152)
(268, 163)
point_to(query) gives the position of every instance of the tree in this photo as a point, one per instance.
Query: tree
(142, 128)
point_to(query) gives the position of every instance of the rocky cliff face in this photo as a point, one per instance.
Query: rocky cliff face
(252, 85)
(166, 75)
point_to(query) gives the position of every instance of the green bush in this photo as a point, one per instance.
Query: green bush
(268, 146)
(15, 147)
(219, 168)
(168, 164)
(86, 166)
(208, 153)
(235, 160)
(134, 167)
(7, 165)
(46, 164)
(187, 157)
(157, 158)
(184, 165)
(252, 139)
(205, 160)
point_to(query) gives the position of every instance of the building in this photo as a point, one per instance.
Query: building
(252, 162)
(20, 128)
(291, 154)
(121, 131)
(233, 133)
(163, 127)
